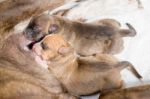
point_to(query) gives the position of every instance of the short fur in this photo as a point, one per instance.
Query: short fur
(138, 92)
(21, 76)
(86, 38)
(80, 75)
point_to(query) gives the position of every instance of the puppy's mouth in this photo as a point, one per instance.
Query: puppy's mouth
(30, 45)
(34, 36)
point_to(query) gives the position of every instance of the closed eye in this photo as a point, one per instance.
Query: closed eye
(36, 28)
(44, 46)
(53, 28)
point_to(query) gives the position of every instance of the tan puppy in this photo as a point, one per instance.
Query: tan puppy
(139, 92)
(80, 75)
(86, 38)
(21, 77)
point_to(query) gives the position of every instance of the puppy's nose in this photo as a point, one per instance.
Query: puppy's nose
(37, 49)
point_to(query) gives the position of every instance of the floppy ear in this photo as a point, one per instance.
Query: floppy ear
(64, 50)
(53, 28)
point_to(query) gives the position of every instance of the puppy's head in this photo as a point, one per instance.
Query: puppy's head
(37, 27)
(40, 26)
(52, 47)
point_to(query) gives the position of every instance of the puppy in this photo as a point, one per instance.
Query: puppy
(86, 38)
(21, 77)
(139, 92)
(80, 75)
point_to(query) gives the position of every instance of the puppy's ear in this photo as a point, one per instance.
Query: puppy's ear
(64, 50)
(53, 28)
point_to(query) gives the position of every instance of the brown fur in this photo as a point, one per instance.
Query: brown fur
(86, 38)
(80, 75)
(139, 92)
(21, 76)
(108, 22)
(12, 12)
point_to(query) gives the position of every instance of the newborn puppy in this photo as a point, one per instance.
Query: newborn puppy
(86, 38)
(80, 75)
(139, 92)
(21, 77)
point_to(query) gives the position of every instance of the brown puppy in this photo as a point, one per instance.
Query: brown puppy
(80, 75)
(86, 38)
(12, 12)
(21, 76)
(139, 92)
